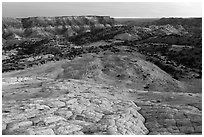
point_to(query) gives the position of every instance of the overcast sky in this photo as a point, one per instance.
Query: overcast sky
(119, 9)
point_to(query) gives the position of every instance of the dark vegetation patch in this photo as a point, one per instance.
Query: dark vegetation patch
(97, 35)
(32, 49)
(176, 40)
(174, 62)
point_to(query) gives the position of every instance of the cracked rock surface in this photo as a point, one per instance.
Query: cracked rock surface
(72, 107)
(171, 117)
(169, 120)
(43, 106)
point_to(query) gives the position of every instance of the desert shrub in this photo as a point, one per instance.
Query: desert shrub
(29, 47)
(191, 58)
(176, 40)
(53, 50)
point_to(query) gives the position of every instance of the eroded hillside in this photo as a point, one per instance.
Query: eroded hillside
(38, 27)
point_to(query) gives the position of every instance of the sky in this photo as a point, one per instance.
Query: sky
(113, 9)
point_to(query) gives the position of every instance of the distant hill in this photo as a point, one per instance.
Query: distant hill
(136, 21)
(193, 25)
(193, 22)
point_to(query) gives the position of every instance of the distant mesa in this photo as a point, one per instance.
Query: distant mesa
(13, 28)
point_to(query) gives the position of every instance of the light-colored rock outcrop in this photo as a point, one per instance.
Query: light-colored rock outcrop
(87, 108)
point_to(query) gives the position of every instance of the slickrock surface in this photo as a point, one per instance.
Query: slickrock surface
(164, 119)
(174, 118)
(42, 106)
(73, 107)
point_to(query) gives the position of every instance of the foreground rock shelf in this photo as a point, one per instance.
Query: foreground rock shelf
(164, 119)
(86, 108)
(44, 106)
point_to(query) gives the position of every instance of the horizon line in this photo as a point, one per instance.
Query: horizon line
(108, 16)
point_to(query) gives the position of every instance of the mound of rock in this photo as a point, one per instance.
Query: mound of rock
(121, 70)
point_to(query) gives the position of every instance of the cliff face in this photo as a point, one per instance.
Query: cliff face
(51, 26)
